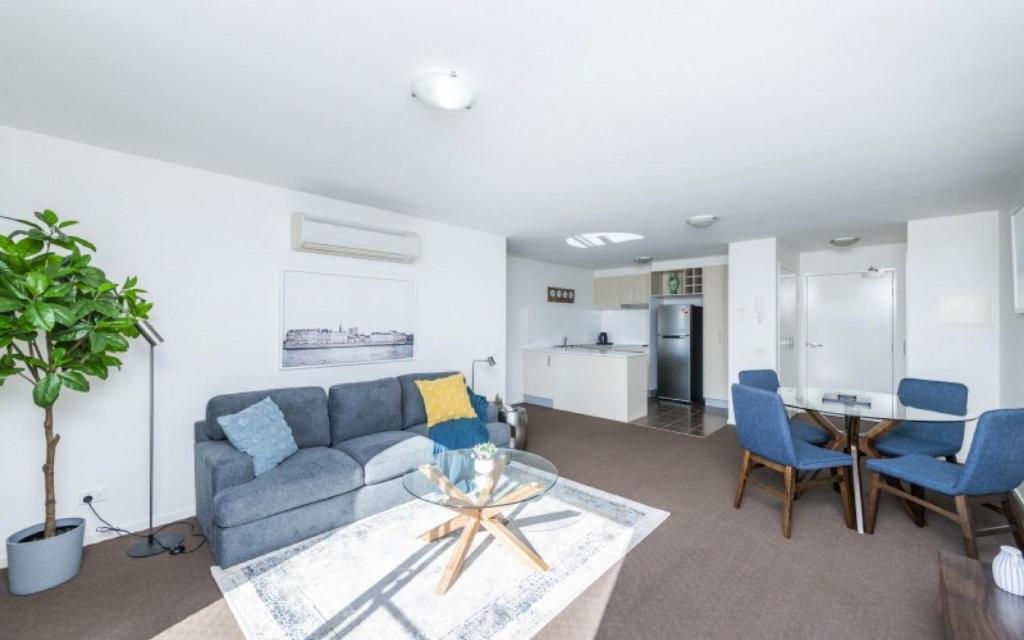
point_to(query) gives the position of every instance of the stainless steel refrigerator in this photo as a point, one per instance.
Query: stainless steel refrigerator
(680, 362)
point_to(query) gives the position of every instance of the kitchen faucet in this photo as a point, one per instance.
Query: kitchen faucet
(565, 341)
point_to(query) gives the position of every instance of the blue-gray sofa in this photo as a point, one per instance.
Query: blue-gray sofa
(356, 441)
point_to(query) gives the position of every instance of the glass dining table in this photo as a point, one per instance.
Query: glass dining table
(854, 406)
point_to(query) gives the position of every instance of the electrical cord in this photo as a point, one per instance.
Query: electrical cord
(179, 550)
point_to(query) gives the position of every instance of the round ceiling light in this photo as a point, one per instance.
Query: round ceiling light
(701, 222)
(443, 90)
(844, 241)
(643, 259)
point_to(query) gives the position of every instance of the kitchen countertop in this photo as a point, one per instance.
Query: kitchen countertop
(614, 351)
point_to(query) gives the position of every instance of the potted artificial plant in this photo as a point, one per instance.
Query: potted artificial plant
(61, 322)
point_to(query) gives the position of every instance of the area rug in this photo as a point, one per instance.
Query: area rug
(374, 579)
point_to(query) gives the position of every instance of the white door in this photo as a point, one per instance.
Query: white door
(789, 329)
(850, 339)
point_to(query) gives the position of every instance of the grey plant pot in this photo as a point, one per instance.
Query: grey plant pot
(42, 564)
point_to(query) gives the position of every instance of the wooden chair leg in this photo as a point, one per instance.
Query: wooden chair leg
(873, 495)
(787, 509)
(1013, 518)
(963, 511)
(844, 494)
(918, 510)
(744, 472)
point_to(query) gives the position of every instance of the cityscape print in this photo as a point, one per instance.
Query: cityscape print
(335, 319)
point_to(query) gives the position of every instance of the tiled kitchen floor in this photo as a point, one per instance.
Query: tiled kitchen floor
(688, 419)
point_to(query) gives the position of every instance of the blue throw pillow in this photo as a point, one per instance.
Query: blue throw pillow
(260, 431)
(479, 404)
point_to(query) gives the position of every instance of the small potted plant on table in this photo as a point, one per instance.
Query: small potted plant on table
(483, 458)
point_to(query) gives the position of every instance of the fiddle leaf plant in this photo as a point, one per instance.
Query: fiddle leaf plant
(62, 321)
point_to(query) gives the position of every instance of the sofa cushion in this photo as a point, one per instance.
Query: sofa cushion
(361, 408)
(304, 409)
(499, 433)
(311, 475)
(261, 432)
(388, 454)
(413, 411)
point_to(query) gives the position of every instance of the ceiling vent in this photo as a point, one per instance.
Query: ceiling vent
(324, 235)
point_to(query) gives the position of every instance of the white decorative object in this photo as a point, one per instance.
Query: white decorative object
(1008, 570)
(331, 319)
(375, 579)
(483, 466)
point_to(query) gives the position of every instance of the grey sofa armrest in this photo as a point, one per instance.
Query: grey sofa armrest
(199, 431)
(218, 466)
(492, 412)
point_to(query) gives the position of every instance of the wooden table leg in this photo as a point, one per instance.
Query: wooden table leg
(512, 541)
(454, 568)
(444, 529)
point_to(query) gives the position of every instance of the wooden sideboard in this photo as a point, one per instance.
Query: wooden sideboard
(972, 605)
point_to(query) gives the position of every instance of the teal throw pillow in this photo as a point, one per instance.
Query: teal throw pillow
(260, 431)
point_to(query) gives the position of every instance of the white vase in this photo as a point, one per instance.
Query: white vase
(1008, 570)
(483, 466)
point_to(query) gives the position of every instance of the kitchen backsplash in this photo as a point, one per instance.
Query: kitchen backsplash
(542, 326)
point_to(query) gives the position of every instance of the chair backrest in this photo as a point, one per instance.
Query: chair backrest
(995, 463)
(765, 379)
(763, 424)
(934, 395)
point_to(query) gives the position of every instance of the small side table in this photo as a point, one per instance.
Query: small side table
(972, 605)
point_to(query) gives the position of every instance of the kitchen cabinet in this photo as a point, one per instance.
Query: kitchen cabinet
(716, 338)
(538, 374)
(611, 293)
(606, 385)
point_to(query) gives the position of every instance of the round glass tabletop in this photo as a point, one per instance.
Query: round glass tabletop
(456, 479)
(863, 404)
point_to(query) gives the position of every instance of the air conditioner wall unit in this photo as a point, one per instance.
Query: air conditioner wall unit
(335, 237)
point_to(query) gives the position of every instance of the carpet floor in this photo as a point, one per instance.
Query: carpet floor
(709, 571)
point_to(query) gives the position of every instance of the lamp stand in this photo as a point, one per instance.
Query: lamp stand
(154, 544)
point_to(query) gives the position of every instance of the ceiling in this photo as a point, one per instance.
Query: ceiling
(790, 118)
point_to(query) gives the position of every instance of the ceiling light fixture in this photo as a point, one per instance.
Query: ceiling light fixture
(442, 90)
(844, 241)
(702, 222)
(599, 239)
(643, 259)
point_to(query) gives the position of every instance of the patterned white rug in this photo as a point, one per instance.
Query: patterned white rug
(374, 579)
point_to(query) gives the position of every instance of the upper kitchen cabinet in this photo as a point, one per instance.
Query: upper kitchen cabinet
(616, 291)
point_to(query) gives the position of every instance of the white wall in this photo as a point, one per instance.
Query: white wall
(210, 250)
(753, 283)
(950, 257)
(1011, 324)
(533, 321)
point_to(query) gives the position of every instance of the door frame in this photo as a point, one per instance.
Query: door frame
(894, 316)
(800, 320)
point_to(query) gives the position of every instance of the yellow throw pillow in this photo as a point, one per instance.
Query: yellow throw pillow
(445, 399)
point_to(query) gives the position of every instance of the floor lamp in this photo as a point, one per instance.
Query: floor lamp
(490, 362)
(153, 544)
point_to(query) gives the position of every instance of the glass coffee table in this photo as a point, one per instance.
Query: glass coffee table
(478, 492)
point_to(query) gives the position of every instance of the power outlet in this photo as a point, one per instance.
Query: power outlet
(99, 494)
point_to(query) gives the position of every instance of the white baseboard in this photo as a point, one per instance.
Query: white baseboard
(92, 537)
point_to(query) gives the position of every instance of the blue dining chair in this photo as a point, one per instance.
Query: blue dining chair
(762, 425)
(993, 469)
(932, 439)
(801, 425)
